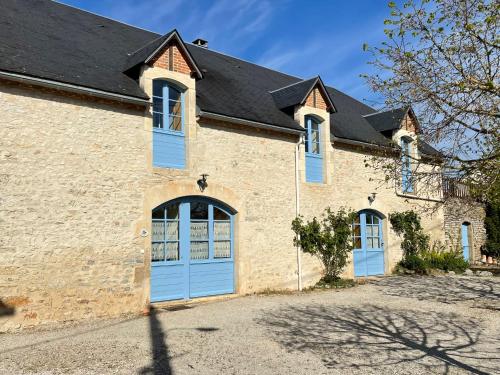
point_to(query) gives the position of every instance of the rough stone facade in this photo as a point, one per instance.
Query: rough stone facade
(78, 186)
(459, 211)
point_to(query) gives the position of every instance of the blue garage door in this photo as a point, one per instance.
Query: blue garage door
(192, 250)
(368, 252)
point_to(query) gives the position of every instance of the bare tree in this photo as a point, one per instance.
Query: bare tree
(442, 58)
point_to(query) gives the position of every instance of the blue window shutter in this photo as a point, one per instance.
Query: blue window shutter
(314, 160)
(169, 146)
(406, 172)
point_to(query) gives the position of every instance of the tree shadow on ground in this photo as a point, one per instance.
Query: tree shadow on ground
(381, 338)
(443, 289)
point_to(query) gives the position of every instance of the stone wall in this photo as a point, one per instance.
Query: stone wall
(78, 186)
(71, 177)
(458, 211)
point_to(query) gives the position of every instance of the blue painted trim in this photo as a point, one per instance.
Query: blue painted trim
(169, 146)
(465, 241)
(314, 161)
(364, 257)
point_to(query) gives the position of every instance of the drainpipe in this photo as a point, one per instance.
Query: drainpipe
(297, 205)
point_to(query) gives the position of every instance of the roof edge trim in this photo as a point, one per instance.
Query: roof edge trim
(177, 36)
(360, 143)
(71, 88)
(241, 121)
(319, 81)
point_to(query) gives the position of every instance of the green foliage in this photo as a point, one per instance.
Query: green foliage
(446, 261)
(407, 224)
(414, 263)
(330, 239)
(326, 283)
(438, 257)
(492, 225)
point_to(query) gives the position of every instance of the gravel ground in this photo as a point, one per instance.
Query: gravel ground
(396, 325)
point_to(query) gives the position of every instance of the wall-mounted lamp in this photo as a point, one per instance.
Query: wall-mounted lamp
(202, 182)
(371, 197)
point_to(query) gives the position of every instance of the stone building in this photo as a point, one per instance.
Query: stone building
(137, 168)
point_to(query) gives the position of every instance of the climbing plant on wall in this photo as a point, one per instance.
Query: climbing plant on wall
(329, 238)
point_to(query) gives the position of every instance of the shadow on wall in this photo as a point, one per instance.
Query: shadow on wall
(6, 310)
(484, 292)
(159, 349)
(382, 339)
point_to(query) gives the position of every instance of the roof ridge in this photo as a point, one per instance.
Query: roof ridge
(147, 44)
(58, 2)
(384, 111)
(292, 84)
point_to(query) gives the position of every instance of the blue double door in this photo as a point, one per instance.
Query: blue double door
(368, 252)
(192, 250)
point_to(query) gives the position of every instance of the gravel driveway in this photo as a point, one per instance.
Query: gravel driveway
(397, 325)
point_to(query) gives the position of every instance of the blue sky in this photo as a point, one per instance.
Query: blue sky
(299, 37)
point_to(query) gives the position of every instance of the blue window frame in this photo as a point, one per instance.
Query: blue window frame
(168, 125)
(314, 157)
(406, 166)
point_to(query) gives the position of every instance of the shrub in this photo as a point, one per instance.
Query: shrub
(407, 224)
(447, 260)
(414, 263)
(329, 239)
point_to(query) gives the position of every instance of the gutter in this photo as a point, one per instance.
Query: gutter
(297, 206)
(255, 124)
(72, 88)
(359, 143)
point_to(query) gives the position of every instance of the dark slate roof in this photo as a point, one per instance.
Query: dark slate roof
(428, 150)
(387, 120)
(297, 93)
(45, 39)
(143, 53)
(293, 94)
(53, 41)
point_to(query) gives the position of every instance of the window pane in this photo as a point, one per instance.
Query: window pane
(314, 126)
(369, 242)
(172, 251)
(375, 219)
(222, 230)
(369, 230)
(157, 105)
(175, 123)
(376, 243)
(174, 108)
(357, 230)
(172, 230)
(375, 230)
(158, 88)
(315, 136)
(357, 242)
(199, 250)
(199, 211)
(173, 211)
(158, 213)
(174, 94)
(222, 249)
(357, 220)
(199, 230)
(315, 148)
(157, 253)
(220, 215)
(157, 120)
(158, 231)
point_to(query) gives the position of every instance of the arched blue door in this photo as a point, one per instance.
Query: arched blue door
(465, 240)
(192, 252)
(368, 252)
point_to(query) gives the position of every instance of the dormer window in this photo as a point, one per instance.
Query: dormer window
(314, 157)
(406, 165)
